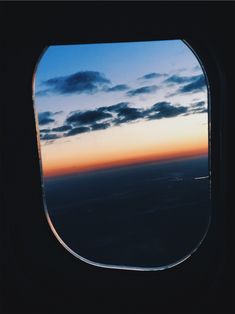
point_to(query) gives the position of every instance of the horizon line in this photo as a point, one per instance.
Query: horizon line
(122, 164)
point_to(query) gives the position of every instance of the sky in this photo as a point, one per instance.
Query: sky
(106, 105)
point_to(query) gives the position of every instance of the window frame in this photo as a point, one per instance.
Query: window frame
(53, 229)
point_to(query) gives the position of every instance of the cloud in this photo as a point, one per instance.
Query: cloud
(78, 130)
(165, 110)
(45, 117)
(117, 88)
(80, 82)
(142, 90)
(152, 75)
(195, 84)
(114, 108)
(100, 126)
(50, 136)
(62, 128)
(198, 84)
(128, 114)
(122, 112)
(105, 117)
(177, 79)
(202, 110)
(198, 104)
(87, 117)
(45, 130)
(198, 107)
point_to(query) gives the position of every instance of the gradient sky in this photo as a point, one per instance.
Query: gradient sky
(101, 105)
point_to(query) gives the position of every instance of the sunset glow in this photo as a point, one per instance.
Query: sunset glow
(131, 144)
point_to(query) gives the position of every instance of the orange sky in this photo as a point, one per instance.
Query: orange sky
(51, 172)
(137, 143)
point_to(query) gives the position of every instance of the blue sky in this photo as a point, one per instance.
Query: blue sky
(122, 63)
(113, 58)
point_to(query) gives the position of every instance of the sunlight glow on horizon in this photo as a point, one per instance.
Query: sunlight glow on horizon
(133, 143)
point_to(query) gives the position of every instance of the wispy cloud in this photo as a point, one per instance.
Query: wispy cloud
(177, 79)
(80, 82)
(105, 117)
(166, 110)
(197, 85)
(49, 136)
(198, 107)
(114, 108)
(77, 130)
(129, 114)
(62, 128)
(46, 117)
(45, 130)
(117, 88)
(99, 126)
(86, 117)
(152, 75)
(142, 90)
(194, 84)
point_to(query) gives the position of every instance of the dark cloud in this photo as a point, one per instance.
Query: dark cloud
(198, 84)
(152, 75)
(78, 130)
(100, 126)
(128, 114)
(87, 117)
(46, 117)
(105, 117)
(165, 110)
(177, 79)
(198, 107)
(45, 130)
(79, 82)
(50, 136)
(202, 110)
(142, 90)
(62, 128)
(198, 104)
(114, 108)
(117, 88)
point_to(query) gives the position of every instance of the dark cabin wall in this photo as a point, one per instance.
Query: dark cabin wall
(39, 275)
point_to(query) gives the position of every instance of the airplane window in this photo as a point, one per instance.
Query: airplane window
(124, 148)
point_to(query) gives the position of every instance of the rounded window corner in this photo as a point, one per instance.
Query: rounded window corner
(111, 198)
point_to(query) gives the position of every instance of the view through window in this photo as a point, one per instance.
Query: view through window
(124, 151)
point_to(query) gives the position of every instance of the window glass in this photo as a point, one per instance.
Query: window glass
(124, 151)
